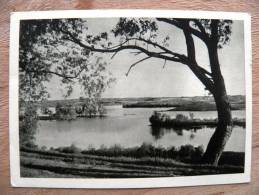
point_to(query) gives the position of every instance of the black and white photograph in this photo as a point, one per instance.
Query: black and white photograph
(134, 99)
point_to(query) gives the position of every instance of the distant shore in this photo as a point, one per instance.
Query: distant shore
(199, 103)
(237, 102)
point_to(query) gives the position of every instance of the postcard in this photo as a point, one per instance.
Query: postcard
(130, 98)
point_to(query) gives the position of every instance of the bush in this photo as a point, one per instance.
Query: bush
(181, 117)
(66, 112)
(186, 153)
(70, 149)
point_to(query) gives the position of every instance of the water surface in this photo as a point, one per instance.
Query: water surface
(130, 127)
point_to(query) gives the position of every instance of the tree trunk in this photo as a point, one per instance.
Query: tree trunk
(224, 127)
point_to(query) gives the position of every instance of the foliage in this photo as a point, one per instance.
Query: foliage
(66, 48)
(185, 153)
(28, 125)
(66, 112)
(93, 107)
(44, 53)
(224, 29)
(48, 52)
(181, 117)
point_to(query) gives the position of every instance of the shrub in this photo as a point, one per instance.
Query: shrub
(70, 149)
(181, 117)
(66, 112)
(185, 153)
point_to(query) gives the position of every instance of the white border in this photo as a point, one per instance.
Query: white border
(17, 181)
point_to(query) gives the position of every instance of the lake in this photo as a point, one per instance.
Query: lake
(130, 127)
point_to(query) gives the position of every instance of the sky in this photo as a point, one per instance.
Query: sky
(150, 79)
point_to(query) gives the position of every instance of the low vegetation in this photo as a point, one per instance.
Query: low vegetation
(182, 121)
(186, 153)
(117, 162)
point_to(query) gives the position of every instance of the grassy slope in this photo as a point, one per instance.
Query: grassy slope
(38, 163)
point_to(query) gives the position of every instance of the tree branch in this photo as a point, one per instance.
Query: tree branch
(205, 71)
(176, 23)
(195, 68)
(180, 56)
(122, 47)
(189, 41)
(114, 54)
(207, 82)
(67, 77)
(136, 64)
(201, 28)
(164, 64)
(175, 58)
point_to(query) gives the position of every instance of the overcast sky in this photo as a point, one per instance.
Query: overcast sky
(150, 79)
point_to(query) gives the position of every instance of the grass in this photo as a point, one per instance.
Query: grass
(114, 162)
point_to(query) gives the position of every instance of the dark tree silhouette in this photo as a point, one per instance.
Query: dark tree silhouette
(140, 36)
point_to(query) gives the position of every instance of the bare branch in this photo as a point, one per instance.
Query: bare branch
(136, 64)
(115, 46)
(136, 53)
(114, 54)
(164, 64)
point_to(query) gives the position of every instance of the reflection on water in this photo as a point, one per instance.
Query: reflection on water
(159, 132)
(130, 127)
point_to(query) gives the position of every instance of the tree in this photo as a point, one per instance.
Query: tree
(65, 112)
(140, 35)
(28, 125)
(43, 54)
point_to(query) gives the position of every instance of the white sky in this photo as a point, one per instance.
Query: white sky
(150, 79)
